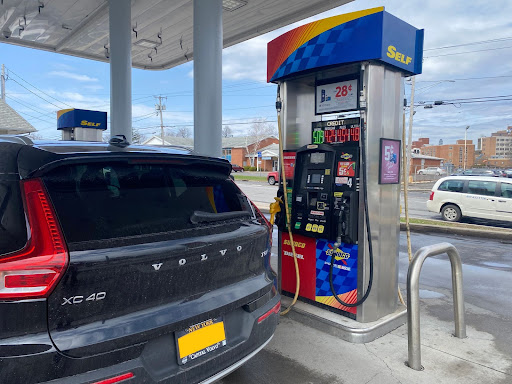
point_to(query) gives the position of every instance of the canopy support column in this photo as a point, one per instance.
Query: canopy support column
(120, 51)
(208, 77)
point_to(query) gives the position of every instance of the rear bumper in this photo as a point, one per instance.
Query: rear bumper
(152, 362)
(432, 206)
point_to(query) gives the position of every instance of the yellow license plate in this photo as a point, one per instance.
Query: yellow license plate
(200, 339)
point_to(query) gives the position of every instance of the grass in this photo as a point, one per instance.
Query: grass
(442, 223)
(250, 178)
(430, 222)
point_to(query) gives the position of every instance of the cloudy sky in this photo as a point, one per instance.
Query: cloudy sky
(468, 55)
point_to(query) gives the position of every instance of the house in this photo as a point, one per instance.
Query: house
(11, 123)
(244, 151)
(240, 150)
(419, 161)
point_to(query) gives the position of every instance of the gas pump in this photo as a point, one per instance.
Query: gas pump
(341, 85)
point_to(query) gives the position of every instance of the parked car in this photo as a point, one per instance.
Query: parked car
(472, 196)
(431, 171)
(273, 177)
(476, 172)
(508, 172)
(237, 168)
(121, 261)
(499, 173)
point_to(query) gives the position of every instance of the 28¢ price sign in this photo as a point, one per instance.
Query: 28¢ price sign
(336, 97)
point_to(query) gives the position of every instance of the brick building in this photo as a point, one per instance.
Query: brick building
(244, 151)
(422, 141)
(453, 153)
(241, 150)
(497, 149)
(419, 161)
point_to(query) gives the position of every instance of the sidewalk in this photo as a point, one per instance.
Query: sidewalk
(446, 359)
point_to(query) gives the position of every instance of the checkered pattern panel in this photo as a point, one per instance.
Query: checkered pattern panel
(318, 51)
(342, 279)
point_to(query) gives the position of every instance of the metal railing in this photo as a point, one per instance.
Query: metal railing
(413, 298)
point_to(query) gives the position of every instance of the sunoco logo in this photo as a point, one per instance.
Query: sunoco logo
(338, 254)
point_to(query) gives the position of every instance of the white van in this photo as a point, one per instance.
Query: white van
(472, 196)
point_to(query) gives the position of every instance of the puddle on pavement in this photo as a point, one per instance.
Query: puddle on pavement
(496, 265)
(426, 294)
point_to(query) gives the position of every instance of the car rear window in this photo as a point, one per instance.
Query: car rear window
(452, 186)
(486, 188)
(109, 200)
(13, 230)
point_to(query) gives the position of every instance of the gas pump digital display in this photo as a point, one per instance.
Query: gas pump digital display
(336, 131)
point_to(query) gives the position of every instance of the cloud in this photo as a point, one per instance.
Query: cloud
(73, 76)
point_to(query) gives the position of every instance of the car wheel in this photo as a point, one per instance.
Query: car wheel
(451, 212)
(271, 180)
(420, 173)
(438, 174)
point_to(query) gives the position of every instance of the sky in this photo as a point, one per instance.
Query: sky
(468, 55)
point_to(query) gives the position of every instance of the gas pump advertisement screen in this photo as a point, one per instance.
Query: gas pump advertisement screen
(336, 97)
(317, 158)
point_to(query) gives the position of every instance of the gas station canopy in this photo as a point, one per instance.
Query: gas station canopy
(161, 29)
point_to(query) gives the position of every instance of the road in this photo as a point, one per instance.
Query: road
(262, 192)
(487, 283)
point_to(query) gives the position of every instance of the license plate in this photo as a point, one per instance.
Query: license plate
(200, 339)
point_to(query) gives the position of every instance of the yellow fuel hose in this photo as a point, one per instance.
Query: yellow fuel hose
(286, 207)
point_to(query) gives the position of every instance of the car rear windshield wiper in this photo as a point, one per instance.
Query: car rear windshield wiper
(208, 217)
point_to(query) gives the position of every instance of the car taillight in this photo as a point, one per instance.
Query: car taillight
(275, 309)
(35, 270)
(431, 195)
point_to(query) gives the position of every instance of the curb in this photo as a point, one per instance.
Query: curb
(449, 230)
(479, 231)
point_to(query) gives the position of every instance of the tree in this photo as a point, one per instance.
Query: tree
(178, 132)
(227, 131)
(259, 130)
(138, 137)
(183, 132)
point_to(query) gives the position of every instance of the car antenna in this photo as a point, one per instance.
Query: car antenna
(119, 141)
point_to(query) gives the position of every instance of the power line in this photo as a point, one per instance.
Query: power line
(472, 98)
(9, 71)
(462, 53)
(471, 43)
(21, 85)
(27, 105)
(468, 78)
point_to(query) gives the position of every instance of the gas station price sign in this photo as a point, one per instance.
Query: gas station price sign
(336, 131)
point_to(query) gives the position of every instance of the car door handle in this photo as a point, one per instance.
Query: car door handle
(502, 201)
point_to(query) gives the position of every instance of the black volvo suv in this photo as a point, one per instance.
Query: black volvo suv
(128, 264)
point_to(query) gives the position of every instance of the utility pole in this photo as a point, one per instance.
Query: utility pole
(160, 108)
(465, 146)
(3, 82)
(411, 114)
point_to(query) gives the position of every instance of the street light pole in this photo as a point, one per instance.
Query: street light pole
(465, 146)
